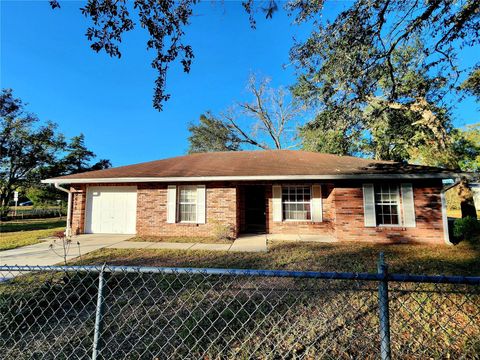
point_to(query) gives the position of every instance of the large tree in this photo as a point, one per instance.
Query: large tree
(212, 134)
(332, 131)
(78, 158)
(363, 38)
(31, 150)
(25, 145)
(268, 121)
(377, 126)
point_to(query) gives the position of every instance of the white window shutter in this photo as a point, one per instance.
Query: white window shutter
(317, 203)
(171, 204)
(408, 205)
(277, 202)
(369, 205)
(201, 203)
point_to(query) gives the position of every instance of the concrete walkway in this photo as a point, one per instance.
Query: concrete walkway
(245, 243)
(41, 254)
(300, 237)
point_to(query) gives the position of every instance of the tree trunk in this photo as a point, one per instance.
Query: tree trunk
(466, 200)
(4, 209)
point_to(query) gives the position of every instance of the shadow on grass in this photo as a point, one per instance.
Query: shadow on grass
(463, 259)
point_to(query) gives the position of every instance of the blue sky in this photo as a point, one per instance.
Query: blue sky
(46, 59)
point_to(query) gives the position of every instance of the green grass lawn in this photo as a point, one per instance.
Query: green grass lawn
(31, 224)
(182, 239)
(463, 259)
(17, 233)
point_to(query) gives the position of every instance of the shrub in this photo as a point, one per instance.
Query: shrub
(453, 199)
(466, 228)
(222, 231)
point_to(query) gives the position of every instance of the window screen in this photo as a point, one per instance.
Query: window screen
(387, 204)
(296, 202)
(187, 204)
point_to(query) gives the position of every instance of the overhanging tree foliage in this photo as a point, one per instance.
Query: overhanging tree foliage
(381, 128)
(386, 67)
(472, 84)
(366, 35)
(164, 20)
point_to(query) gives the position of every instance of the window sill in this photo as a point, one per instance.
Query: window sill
(294, 221)
(396, 227)
(300, 222)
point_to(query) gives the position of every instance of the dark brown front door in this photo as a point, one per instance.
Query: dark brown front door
(255, 209)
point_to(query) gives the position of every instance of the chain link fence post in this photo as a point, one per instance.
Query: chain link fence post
(98, 314)
(383, 307)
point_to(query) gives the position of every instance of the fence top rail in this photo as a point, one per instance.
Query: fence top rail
(437, 279)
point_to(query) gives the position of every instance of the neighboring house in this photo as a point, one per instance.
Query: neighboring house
(275, 192)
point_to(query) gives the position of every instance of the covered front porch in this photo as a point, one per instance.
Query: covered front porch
(289, 211)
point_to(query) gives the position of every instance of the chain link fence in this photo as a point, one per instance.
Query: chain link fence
(175, 313)
(19, 213)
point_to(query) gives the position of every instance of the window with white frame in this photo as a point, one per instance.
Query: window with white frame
(187, 204)
(387, 204)
(296, 203)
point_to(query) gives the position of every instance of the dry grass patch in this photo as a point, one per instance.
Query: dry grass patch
(182, 239)
(463, 259)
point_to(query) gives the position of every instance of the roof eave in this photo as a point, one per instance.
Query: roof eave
(254, 177)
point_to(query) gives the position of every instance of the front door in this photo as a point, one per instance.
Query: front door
(255, 209)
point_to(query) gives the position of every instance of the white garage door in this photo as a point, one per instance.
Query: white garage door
(111, 210)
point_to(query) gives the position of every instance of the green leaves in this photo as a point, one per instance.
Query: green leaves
(31, 150)
(25, 145)
(212, 134)
(164, 21)
(472, 84)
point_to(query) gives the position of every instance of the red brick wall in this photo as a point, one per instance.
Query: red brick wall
(348, 205)
(78, 209)
(342, 213)
(221, 206)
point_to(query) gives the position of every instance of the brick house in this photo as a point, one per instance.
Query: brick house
(274, 192)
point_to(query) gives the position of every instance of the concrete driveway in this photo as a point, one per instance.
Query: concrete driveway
(41, 254)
